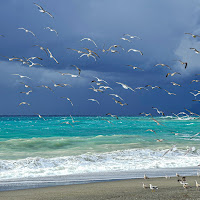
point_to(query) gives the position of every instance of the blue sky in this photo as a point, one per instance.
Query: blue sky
(160, 24)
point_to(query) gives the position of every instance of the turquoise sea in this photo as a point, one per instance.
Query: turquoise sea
(33, 147)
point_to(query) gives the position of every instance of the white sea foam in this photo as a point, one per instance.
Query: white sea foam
(122, 160)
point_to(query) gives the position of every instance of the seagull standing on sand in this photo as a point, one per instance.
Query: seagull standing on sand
(153, 187)
(146, 177)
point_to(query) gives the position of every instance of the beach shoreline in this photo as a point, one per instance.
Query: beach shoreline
(87, 178)
(121, 189)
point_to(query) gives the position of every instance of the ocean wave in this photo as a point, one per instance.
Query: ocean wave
(121, 160)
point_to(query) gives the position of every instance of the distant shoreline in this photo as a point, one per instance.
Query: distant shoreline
(119, 190)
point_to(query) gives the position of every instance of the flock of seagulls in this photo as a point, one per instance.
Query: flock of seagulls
(102, 85)
(181, 180)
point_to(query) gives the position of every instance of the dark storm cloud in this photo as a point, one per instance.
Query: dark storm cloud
(160, 24)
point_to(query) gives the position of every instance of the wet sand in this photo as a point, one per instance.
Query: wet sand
(169, 189)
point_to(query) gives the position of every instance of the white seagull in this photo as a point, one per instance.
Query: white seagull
(125, 86)
(52, 30)
(41, 9)
(21, 76)
(24, 103)
(94, 100)
(135, 50)
(89, 40)
(27, 31)
(116, 95)
(51, 56)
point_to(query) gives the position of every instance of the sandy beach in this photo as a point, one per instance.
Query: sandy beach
(169, 189)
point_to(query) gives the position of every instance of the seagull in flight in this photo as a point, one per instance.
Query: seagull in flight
(195, 81)
(42, 48)
(163, 65)
(146, 114)
(135, 50)
(171, 149)
(94, 100)
(24, 103)
(67, 123)
(21, 76)
(47, 87)
(135, 67)
(176, 84)
(105, 87)
(33, 64)
(27, 31)
(119, 102)
(116, 95)
(68, 100)
(194, 94)
(195, 135)
(196, 51)
(125, 39)
(100, 80)
(41, 9)
(158, 111)
(183, 63)
(40, 116)
(153, 87)
(172, 74)
(26, 86)
(112, 115)
(194, 36)
(79, 70)
(151, 130)
(125, 86)
(158, 123)
(89, 40)
(11, 59)
(52, 30)
(96, 90)
(51, 56)
(27, 93)
(72, 75)
(73, 120)
(169, 92)
(132, 36)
